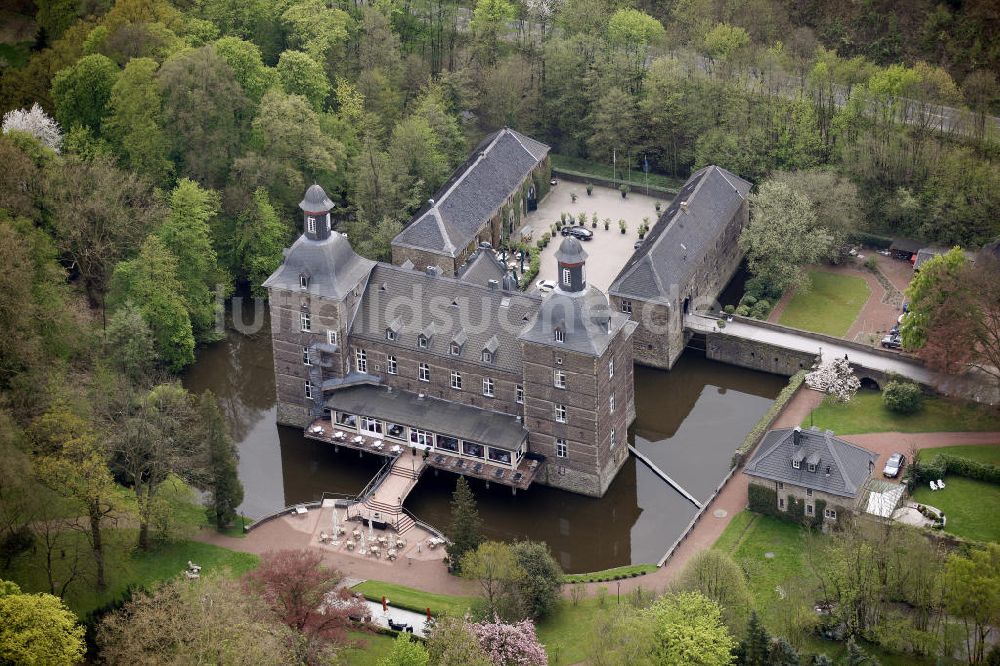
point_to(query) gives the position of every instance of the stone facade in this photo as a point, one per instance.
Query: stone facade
(756, 355)
(834, 507)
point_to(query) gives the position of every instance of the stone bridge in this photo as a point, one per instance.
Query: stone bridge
(760, 345)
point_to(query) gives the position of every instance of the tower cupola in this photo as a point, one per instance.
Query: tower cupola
(572, 259)
(316, 207)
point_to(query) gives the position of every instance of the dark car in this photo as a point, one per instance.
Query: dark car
(894, 465)
(892, 342)
(578, 232)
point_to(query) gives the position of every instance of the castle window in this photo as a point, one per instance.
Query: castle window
(796, 464)
(560, 413)
(422, 341)
(331, 337)
(310, 224)
(390, 335)
(361, 360)
(488, 387)
(424, 438)
(424, 373)
(559, 379)
(560, 335)
(371, 426)
(566, 277)
(781, 503)
(309, 390)
(812, 468)
(611, 402)
(303, 281)
(560, 447)
(809, 492)
(305, 321)
(614, 438)
(519, 394)
(809, 509)
(487, 356)
(305, 356)
(830, 513)
(611, 368)
(627, 307)
(456, 349)
(390, 365)
(456, 380)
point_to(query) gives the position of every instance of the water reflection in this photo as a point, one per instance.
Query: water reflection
(689, 422)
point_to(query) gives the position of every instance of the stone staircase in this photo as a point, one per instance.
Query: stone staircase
(388, 497)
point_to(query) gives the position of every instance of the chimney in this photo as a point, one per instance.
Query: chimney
(421, 396)
(797, 436)
(433, 271)
(494, 284)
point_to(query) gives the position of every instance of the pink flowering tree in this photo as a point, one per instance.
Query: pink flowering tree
(510, 644)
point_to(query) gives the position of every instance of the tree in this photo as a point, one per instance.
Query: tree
(226, 491)
(972, 594)
(36, 123)
(489, 25)
(452, 643)
(781, 653)
(130, 342)
(209, 620)
(151, 280)
(204, 112)
(74, 465)
(253, 241)
(135, 121)
(541, 581)
(753, 650)
(633, 32)
(835, 200)
(81, 92)
(835, 377)
(726, 43)
(187, 235)
(494, 565)
(245, 59)
(315, 27)
(373, 240)
(621, 636)
(464, 533)
(857, 656)
(99, 216)
(37, 629)
(931, 287)
(299, 74)
(782, 236)
(718, 577)
(405, 652)
(508, 644)
(302, 592)
(688, 629)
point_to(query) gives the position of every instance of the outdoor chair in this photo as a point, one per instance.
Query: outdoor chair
(933, 486)
(940, 484)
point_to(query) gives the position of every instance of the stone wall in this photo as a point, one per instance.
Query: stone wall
(784, 490)
(756, 355)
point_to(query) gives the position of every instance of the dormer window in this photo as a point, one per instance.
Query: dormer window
(812, 468)
(796, 464)
(560, 335)
(422, 341)
(390, 335)
(456, 349)
(487, 356)
(303, 281)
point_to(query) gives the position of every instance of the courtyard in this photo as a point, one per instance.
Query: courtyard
(609, 249)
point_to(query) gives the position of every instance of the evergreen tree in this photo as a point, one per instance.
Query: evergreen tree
(223, 479)
(753, 650)
(781, 653)
(856, 656)
(465, 523)
(822, 660)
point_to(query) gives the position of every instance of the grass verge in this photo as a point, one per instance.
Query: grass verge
(865, 413)
(617, 573)
(969, 506)
(830, 306)
(414, 600)
(988, 454)
(584, 167)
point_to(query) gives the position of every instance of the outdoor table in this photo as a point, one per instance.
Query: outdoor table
(358, 439)
(356, 534)
(397, 449)
(400, 543)
(350, 545)
(382, 540)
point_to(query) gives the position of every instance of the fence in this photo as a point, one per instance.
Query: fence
(614, 183)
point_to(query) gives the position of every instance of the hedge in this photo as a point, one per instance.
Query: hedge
(762, 426)
(944, 464)
(871, 240)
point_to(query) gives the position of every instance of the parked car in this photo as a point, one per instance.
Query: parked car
(545, 285)
(578, 232)
(892, 342)
(894, 331)
(894, 465)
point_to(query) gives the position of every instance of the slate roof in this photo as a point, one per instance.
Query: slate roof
(848, 464)
(481, 267)
(679, 239)
(442, 307)
(583, 318)
(906, 245)
(473, 194)
(427, 413)
(315, 200)
(331, 264)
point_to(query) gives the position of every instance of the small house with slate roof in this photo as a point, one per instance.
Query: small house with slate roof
(812, 466)
(685, 262)
(482, 202)
(489, 381)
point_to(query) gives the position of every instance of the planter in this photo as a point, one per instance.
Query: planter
(623, 194)
(623, 231)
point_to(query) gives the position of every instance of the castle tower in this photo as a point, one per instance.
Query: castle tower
(572, 260)
(316, 207)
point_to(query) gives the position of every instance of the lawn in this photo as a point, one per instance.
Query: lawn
(371, 648)
(865, 413)
(969, 506)
(601, 170)
(830, 306)
(626, 571)
(989, 454)
(415, 600)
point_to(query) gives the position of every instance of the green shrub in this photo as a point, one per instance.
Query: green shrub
(759, 288)
(870, 263)
(743, 311)
(748, 300)
(943, 464)
(730, 309)
(760, 310)
(902, 397)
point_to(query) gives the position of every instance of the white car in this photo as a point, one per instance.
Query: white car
(545, 286)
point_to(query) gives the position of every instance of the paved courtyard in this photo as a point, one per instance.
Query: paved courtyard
(609, 250)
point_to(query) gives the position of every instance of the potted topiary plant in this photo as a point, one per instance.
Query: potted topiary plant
(590, 189)
(572, 197)
(624, 189)
(621, 225)
(607, 223)
(562, 217)
(582, 218)
(658, 206)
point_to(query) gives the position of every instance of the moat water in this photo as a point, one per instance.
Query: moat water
(689, 421)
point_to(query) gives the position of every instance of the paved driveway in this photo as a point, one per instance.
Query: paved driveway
(609, 250)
